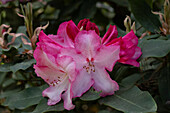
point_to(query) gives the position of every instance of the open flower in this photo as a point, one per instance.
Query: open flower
(92, 59)
(129, 51)
(74, 60)
(58, 72)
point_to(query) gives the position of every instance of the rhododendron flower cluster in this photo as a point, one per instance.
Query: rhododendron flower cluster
(77, 58)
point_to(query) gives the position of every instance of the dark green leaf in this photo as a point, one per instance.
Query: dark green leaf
(25, 98)
(43, 107)
(164, 83)
(23, 65)
(132, 101)
(90, 95)
(2, 76)
(8, 82)
(130, 80)
(144, 16)
(154, 48)
(8, 93)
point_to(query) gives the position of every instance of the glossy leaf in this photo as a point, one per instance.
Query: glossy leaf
(132, 101)
(25, 98)
(130, 80)
(154, 48)
(43, 107)
(90, 95)
(22, 65)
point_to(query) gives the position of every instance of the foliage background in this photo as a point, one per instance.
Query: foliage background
(142, 90)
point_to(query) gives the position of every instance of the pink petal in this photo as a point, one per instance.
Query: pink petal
(137, 54)
(72, 30)
(107, 56)
(103, 82)
(111, 34)
(77, 56)
(87, 42)
(63, 34)
(82, 83)
(67, 97)
(44, 59)
(87, 25)
(54, 93)
(68, 65)
(130, 40)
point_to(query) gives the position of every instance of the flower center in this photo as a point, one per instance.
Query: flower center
(90, 67)
(58, 79)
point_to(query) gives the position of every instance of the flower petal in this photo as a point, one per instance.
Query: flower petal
(67, 97)
(130, 40)
(107, 56)
(72, 30)
(63, 34)
(137, 54)
(111, 34)
(103, 82)
(44, 59)
(77, 57)
(87, 42)
(54, 92)
(82, 83)
(68, 65)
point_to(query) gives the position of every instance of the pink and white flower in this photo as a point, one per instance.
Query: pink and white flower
(58, 72)
(92, 59)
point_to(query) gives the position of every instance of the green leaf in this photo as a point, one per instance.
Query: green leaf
(132, 101)
(130, 80)
(8, 93)
(8, 82)
(154, 48)
(22, 65)
(144, 16)
(25, 98)
(164, 83)
(43, 107)
(2, 76)
(90, 95)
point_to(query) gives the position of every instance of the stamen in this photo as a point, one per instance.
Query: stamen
(90, 66)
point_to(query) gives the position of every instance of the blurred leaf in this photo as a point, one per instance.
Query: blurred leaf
(164, 83)
(130, 80)
(104, 111)
(25, 98)
(22, 65)
(143, 14)
(2, 76)
(43, 107)
(121, 2)
(19, 76)
(88, 9)
(8, 93)
(90, 95)
(132, 101)
(154, 48)
(8, 82)
(149, 64)
(149, 2)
